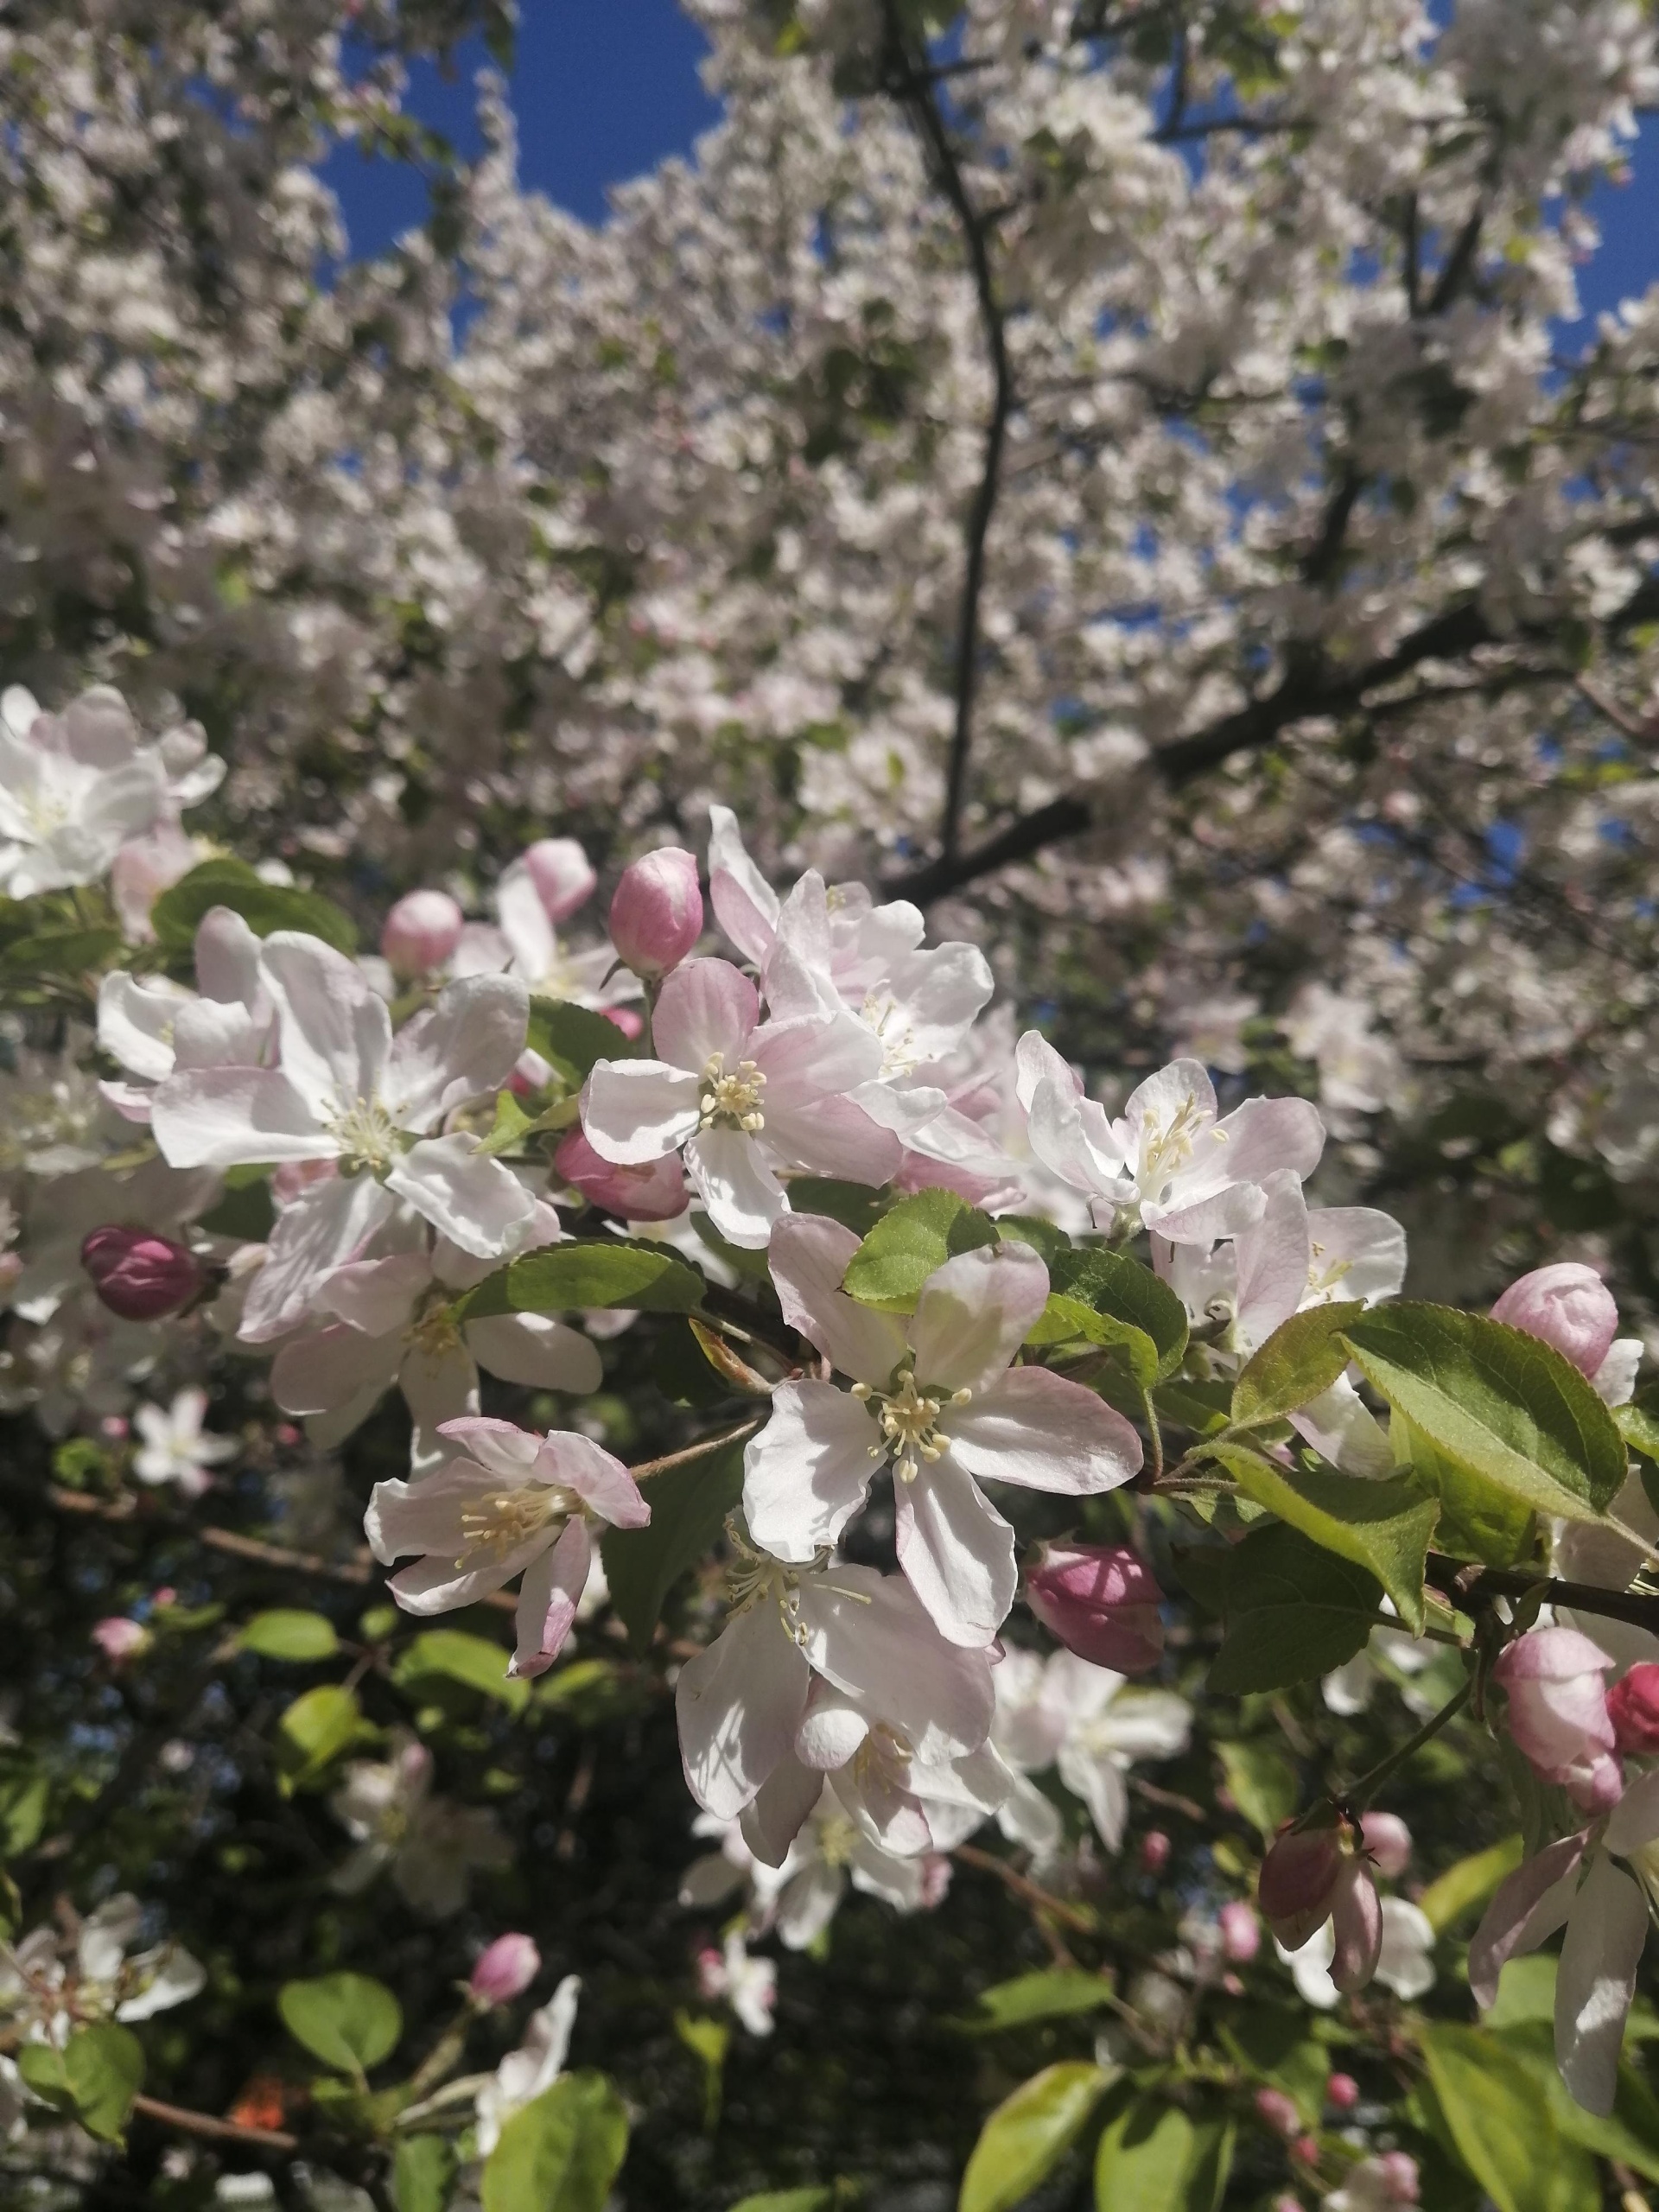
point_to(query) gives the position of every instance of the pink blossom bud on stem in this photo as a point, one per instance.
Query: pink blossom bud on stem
(1388, 1843)
(1341, 2091)
(1101, 1601)
(656, 1191)
(1298, 1877)
(1154, 1851)
(138, 1274)
(1241, 1932)
(1633, 1708)
(1356, 1923)
(1558, 1713)
(1278, 2111)
(505, 1971)
(1566, 1305)
(562, 875)
(118, 1638)
(422, 932)
(1400, 2176)
(657, 913)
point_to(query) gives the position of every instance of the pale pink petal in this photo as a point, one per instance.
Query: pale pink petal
(1342, 1429)
(1634, 1822)
(1183, 1088)
(1035, 1062)
(779, 1811)
(538, 1350)
(957, 1552)
(808, 1256)
(437, 1584)
(602, 1484)
(835, 1136)
(870, 1636)
(1032, 1428)
(1265, 1133)
(807, 1472)
(335, 1031)
(738, 1705)
(1605, 1935)
(635, 1111)
(707, 1007)
(425, 1516)
(1526, 1907)
(882, 1809)
(526, 925)
(376, 1296)
(227, 959)
(1192, 1218)
(547, 1601)
(831, 1729)
(438, 1387)
(469, 1196)
(733, 1177)
(506, 1452)
(464, 1045)
(1273, 1261)
(231, 1118)
(805, 1062)
(973, 1315)
(1355, 1925)
(325, 1369)
(1358, 1252)
(326, 1225)
(745, 904)
(209, 1035)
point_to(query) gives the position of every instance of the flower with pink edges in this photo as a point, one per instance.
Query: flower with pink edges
(422, 932)
(1101, 1601)
(657, 913)
(1241, 1932)
(1558, 1713)
(505, 1970)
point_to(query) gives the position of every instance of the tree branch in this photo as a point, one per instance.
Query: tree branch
(1459, 1580)
(215, 2131)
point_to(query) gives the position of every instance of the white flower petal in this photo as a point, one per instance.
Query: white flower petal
(956, 1551)
(807, 1256)
(538, 1350)
(1606, 1934)
(734, 1178)
(707, 1007)
(1032, 1428)
(973, 1315)
(335, 1032)
(738, 1705)
(234, 1117)
(807, 1472)
(635, 1111)
(470, 1197)
(466, 1043)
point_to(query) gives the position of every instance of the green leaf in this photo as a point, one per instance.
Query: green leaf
(423, 2173)
(1262, 1780)
(57, 952)
(574, 1037)
(906, 1246)
(1047, 1241)
(245, 1212)
(1293, 1611)
(1063, 1319)
(280, 1634)
(1273, 2042)
(1119, 1289)
(1156, 2157)
(472, 1661)
(561, 2153)
(707, 2041)
(1469, 1883)
(1302, 1358)
(24, 1794)
(1639, 1430)
(313, 1731)
(43, 2068)
(349, 2021)
(1384, 1527)
(1028, 2134)
(787, 2200)
(689, 1506)
(1503, 2129)
(1057, 1995)
(855, 1205)
(1503, 1404)
(263, 906)
(608, 1271)
(1478, 1520)
(103, 2066)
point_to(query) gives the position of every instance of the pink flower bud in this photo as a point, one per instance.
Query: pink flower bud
(1400, 2176)
(1296, 1882)
(1241, 1932)
(1633, 1708)
(1388, 1843)
(1279, 2111)
(139, 1276)
(656, 1191)
(1356, 1923)
(1305, 2151)
(1154, 1851)
(422, 932)
(1566, 1305)
(119, 1639)
(1101, 1602)
(559, 870)
(657, 913)
(624, 1018)
(1341, 2091)
(1558, 1713)
(505, 1971)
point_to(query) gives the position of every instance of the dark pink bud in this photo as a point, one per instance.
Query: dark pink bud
(139, 1276)
(1568, 1306)
(657, 913)
(1558, 1713)
(560, 871)
(1356, 1923)
(1241, 1932)
(1278, 2111)
(1341, 2091)
(1306, 2150)
(656, 1191)
(1633, 1708)
(505, 1971)
(1101, 1601)
(422, 932)
(1154, 1851)
(1387, 1842)
(1296, 1882)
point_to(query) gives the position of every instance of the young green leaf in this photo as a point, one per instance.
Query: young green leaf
(688, 1506)
(561, 2153)
(1468, 1883)
(472, 1661)
(1121, 1290)
(96, 2076)
(1261, 1780)
(350, 2021)
(788, 2200)
(423, 2173)
(1302, 1358)
(1156, 2157)
(1057, 1995)
(282, 1634)
(1028, 2134)
(1384, 1527)
(1292, 1610)
(565, 1278)
(313, 1731)
(1503, 2130)
(263, 906)
(906, 1245)
(1478, 1519)
(574, 1037)
(1063, 1319)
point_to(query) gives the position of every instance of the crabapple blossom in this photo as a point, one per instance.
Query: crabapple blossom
(73, 787)
(1378, 2185)
(119, 1638)
(503, 1970)
(655, 915)
(1386, 1841)
(562, 875)
(174, 1446)
(507, 1503)
(1091, 1727)
(798, 1899)
(748, 1984)
(422, 932)
(1241, 1931)
(530, 2070)
(140, 1277)
(1558, 1713)
(431, 1845)
(1101, 1601)
(56, 1978)
(937, 1396)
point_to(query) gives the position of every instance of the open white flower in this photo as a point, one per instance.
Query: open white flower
(431, 1845)
(746, 1099)
(176, 1446)
(798, 1899)
(347, 1091)
(509, 1503)
(1170, 1157)
(56, 1980)
(1089, 1724)
(153, 1027)
(937, 1394)
(536, 2065)
(748, 1984)
(73, 787)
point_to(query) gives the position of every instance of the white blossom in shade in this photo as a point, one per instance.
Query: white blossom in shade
(431, 1845)
(536, 2065)
(747, 1984)
(1388, 1655)
(852, 1652)
(1091, 1726)
(508, 1503)
(73, 787)
(1405, 1963)
(1381, 2184)
(937, 1396)
(348, 1092)
(174, 1445)
(746, 1099)
(797, 1900)
(153, 1027)
(1170, 1159)
(391, 1322)
(56, 1979)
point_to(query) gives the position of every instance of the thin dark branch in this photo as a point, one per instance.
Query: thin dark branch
(1412, 243)
(213, 2130)
(1459, 1582)
(910, 84)
(1241, 126)
(1458, 263)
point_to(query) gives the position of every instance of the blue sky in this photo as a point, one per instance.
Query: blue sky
(604, 89)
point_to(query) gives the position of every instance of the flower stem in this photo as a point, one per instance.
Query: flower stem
(1360, 1794)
